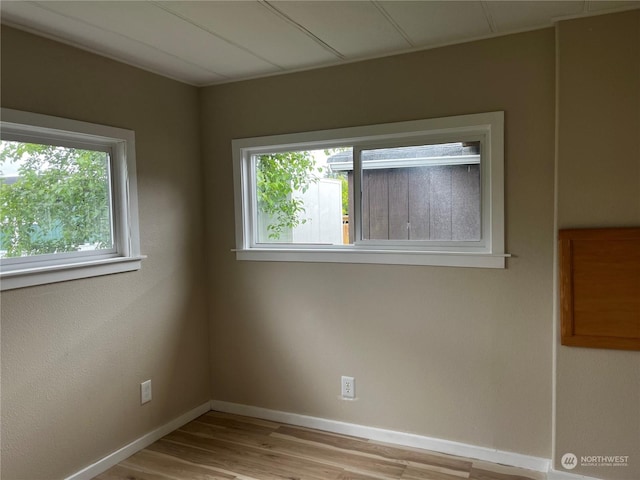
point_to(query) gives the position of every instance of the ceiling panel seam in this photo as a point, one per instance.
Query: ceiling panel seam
(211, 32)
(392, 21)
(302, 28)
(489, 17)
(153, 47)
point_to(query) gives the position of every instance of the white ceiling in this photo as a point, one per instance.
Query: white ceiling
(209, 42)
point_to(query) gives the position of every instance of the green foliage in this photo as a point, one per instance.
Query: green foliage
(59, 201)
(279, 175)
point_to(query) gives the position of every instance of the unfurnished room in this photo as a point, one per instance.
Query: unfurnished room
(320, 240)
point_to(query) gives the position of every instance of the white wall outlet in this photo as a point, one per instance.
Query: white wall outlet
(145, 392)
(348, 387)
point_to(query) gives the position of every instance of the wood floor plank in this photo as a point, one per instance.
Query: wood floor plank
(220, 446)
(222, 463)
(477, 474)
(173, 467)
(316, 452)
(260, 460)
(243, 419)
(432, 473)
(507, 470)
(379, 449)
(120, 472)
(237, 424)
(349, 475)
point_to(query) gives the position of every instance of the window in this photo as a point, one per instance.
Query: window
(426, 192)
(68, 201)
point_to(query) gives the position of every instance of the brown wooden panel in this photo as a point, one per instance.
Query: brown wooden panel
(378, 190)
(607, 297)
(440, 202)
(465, 202)
(419, 185)
(398, 204)
(600, 288)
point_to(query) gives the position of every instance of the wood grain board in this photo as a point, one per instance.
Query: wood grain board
(421, 203)
(220, 446)
(600, 287)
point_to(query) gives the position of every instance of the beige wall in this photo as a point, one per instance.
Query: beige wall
(74, 353)
(454, 353)
(598, 391)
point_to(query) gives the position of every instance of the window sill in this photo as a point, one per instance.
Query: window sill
(385, 257)
(28, 277)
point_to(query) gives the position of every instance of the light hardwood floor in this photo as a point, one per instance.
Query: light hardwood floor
(219, 446)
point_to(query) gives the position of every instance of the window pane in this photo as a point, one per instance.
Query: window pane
(53, 199)
(301, 198)
(426, 192)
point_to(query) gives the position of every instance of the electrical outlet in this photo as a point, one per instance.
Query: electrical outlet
(348, 387)
(145, 392)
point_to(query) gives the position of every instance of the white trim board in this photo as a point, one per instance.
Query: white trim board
(119, 455)
(390, 436)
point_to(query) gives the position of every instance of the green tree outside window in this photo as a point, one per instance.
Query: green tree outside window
(58, 202)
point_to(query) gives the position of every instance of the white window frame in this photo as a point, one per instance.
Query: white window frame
(18, 272)
(487, 253)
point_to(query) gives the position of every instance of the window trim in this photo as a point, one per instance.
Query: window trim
(489, 126)
(120, 143)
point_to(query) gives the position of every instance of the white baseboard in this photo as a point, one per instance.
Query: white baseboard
(119, 455)
(389, 436)
(560, 475)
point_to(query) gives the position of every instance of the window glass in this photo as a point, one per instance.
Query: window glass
(424, 192)
(301, 199)
(54, 199)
